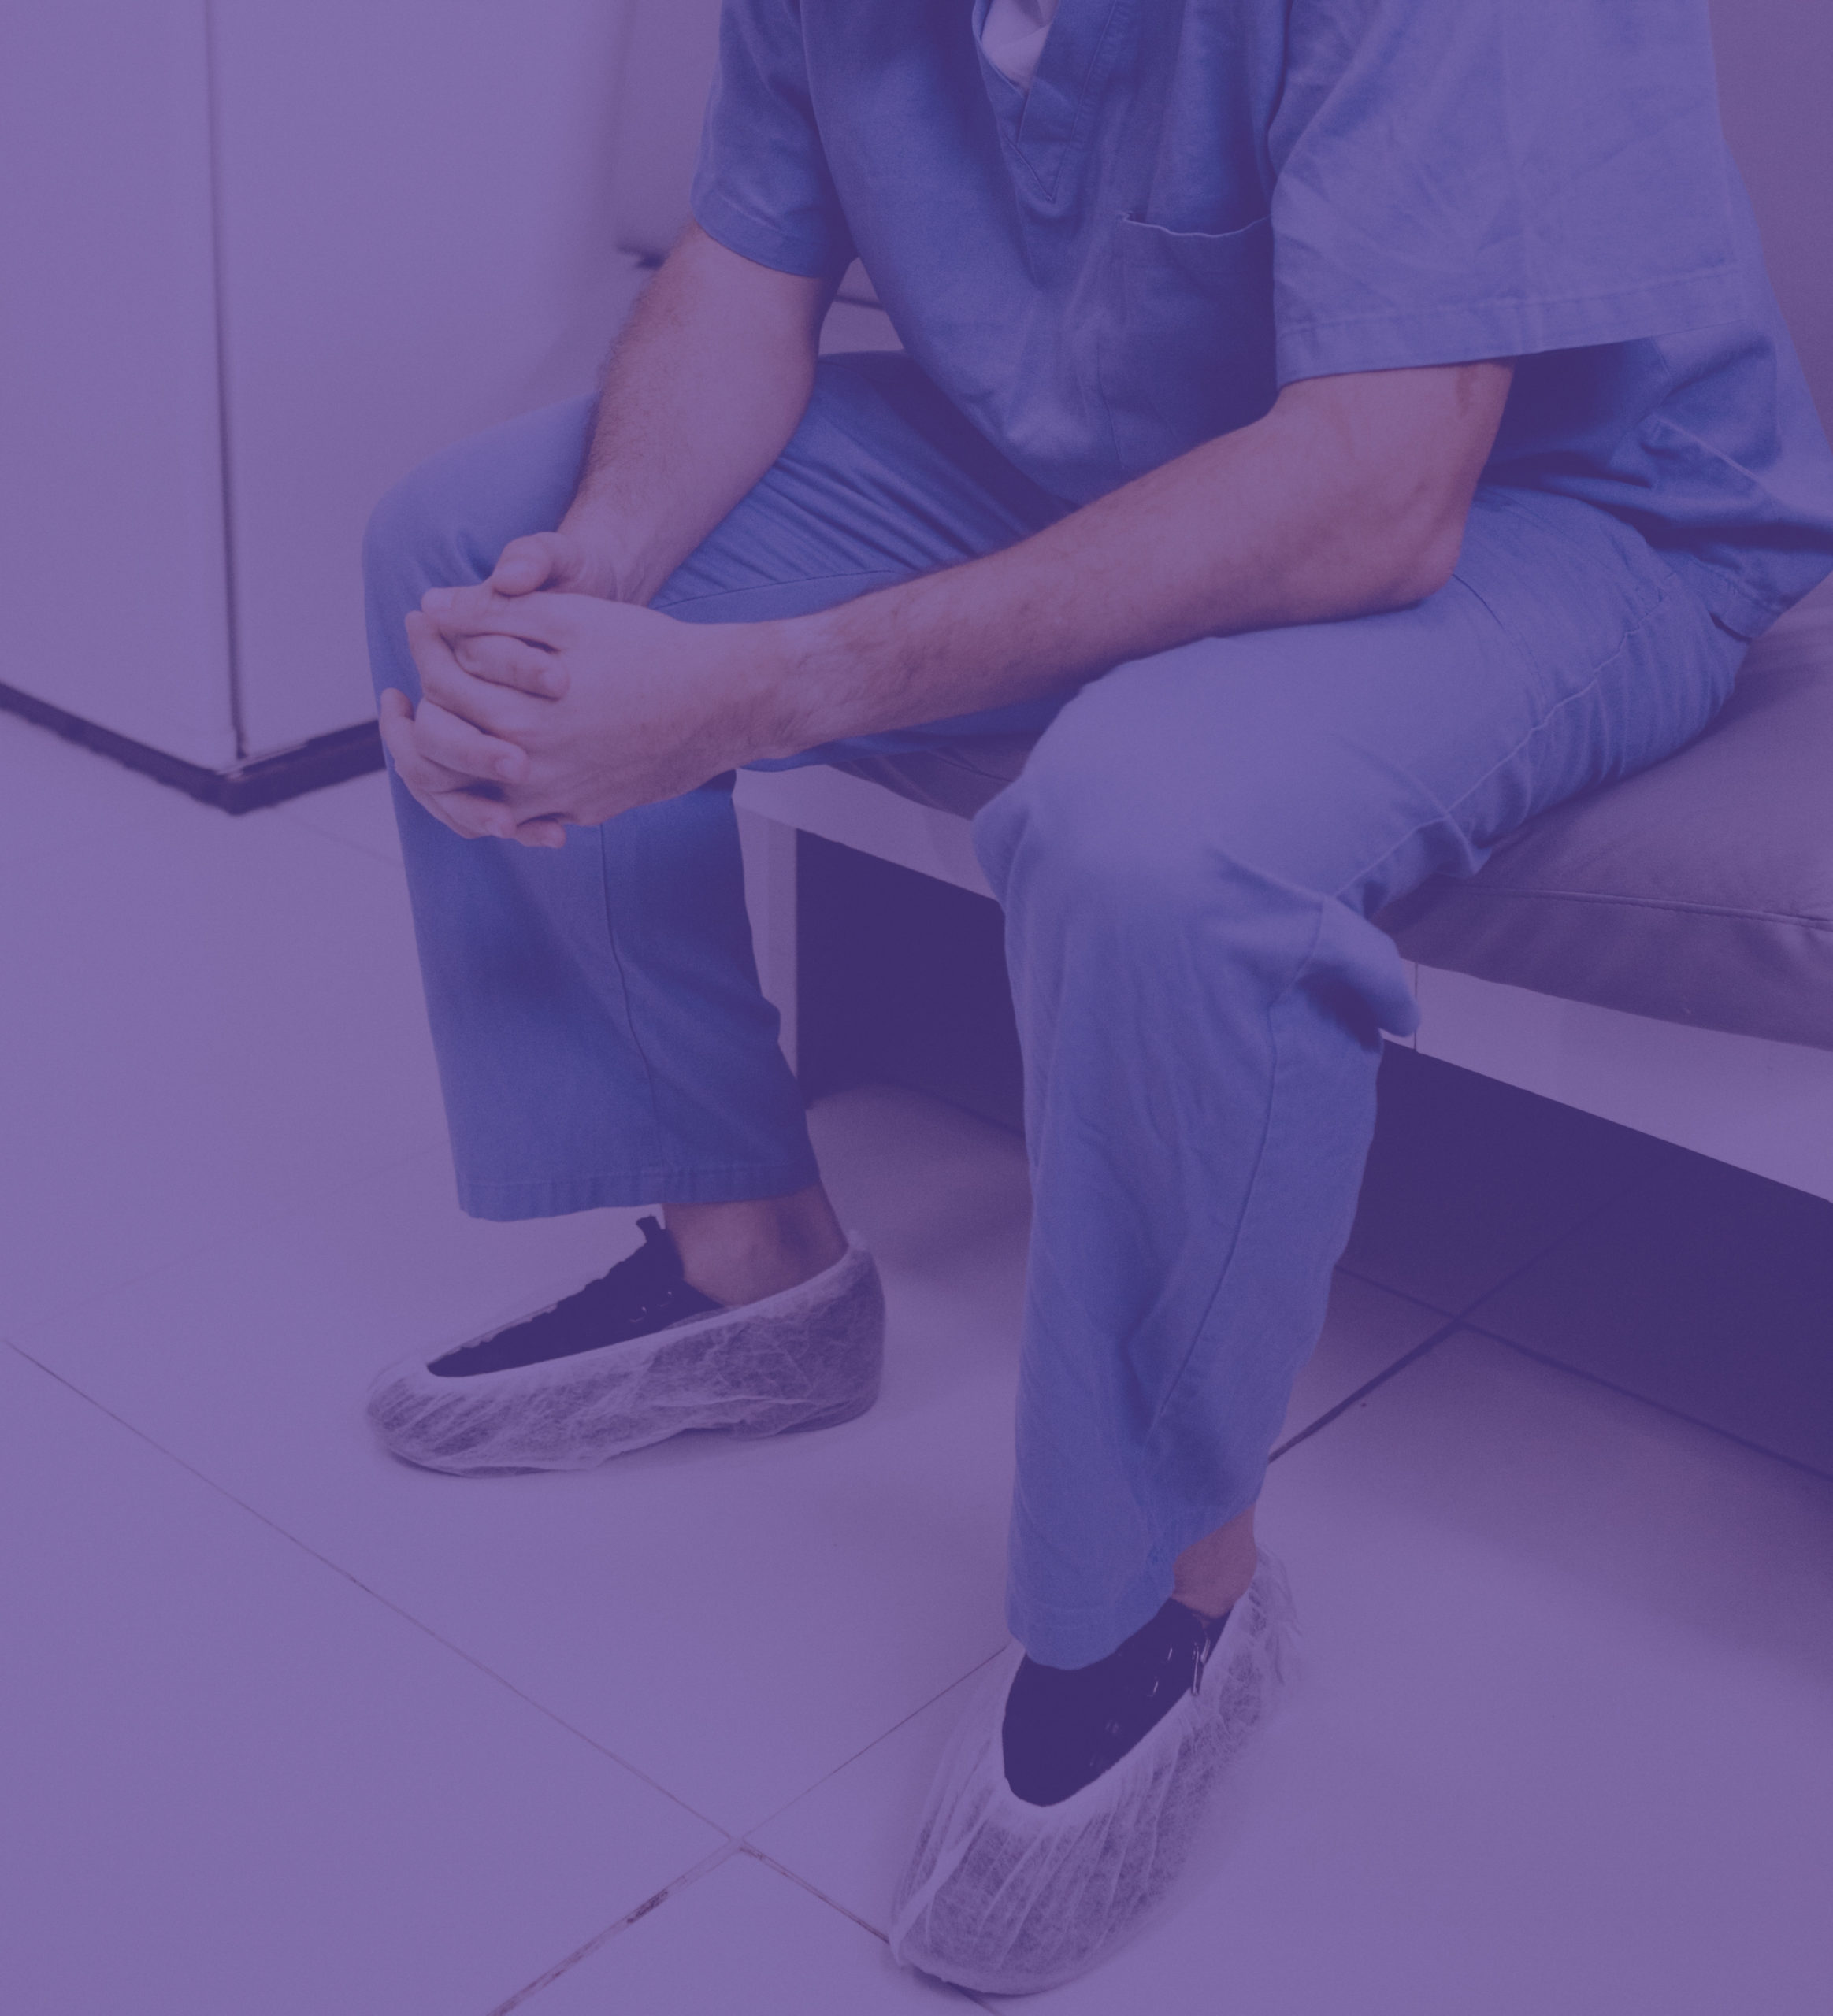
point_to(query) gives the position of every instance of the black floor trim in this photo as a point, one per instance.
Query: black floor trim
(326, 759)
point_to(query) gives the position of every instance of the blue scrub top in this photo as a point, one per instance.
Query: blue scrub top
(1200, 201)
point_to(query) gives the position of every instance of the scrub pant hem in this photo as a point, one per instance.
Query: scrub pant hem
(1198, 1525)
(1056, 1636)
(501, 1202)
(1063, 1635)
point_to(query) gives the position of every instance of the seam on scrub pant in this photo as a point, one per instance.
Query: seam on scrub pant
(1585, 692)
(1299, 971)
(636, 1044)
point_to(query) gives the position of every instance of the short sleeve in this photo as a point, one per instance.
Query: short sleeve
(762, 186)
(1460, 179)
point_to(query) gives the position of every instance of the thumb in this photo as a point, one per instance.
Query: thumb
(525, 564)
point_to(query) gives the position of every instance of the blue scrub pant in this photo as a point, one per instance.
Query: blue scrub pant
(1188, 866)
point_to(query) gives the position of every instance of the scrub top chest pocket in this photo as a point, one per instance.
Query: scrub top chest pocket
(1187, 351)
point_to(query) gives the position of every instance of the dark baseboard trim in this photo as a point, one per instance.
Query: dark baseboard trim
(326, 759)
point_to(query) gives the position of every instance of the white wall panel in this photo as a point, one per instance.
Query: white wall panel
(111, 534)
(1775, 95)
(418, 242)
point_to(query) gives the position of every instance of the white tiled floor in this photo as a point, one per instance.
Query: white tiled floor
(235, 1781)
(292, 1727)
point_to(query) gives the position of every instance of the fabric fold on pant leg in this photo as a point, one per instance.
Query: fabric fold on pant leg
(1201, 1053)
(1189, 866)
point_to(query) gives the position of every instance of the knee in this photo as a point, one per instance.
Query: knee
(1160, 871)
(410, 545)
(1206, 779)
(444, 524)
(1111, 844)
(414, 539)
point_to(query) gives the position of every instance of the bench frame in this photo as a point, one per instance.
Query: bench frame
(1760, 1105)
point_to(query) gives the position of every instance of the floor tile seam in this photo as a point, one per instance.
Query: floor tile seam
(300, 825)
(1659, 1407)
(377, 1595)
(317, 1199)
(833, 1903)
(1448, 1329)
(1400, 1294)
(580, 1955)
(1461, 1310)
(1455, 1321)
(802, 1883)
(1607, 1203)
(747, 1836)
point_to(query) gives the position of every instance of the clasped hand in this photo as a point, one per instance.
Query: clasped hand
(543, 710)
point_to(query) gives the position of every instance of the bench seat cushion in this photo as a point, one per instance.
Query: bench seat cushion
(1699, 892)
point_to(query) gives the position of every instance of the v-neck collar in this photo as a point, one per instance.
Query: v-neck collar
(1040, 126)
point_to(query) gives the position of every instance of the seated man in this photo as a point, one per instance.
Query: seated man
(1336, 430)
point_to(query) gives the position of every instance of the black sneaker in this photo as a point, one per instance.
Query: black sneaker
(1064, 1726)
(646, 1292)
(633, 1358)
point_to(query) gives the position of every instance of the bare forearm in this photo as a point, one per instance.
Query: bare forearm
(707, 383)
(1349, 498)
(1309, 515)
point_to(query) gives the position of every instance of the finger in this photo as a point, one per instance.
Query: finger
(541, 833)
(474, 817)
(392, 710)
(544, 617)
(426, 783)
(413, 768)
(527, 564)
(508, 662)
(414, 758)
(493, 709)
(450, 739)
(395, 718)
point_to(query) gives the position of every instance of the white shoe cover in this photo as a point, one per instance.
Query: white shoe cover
(1006, 1898)
(809, 1357)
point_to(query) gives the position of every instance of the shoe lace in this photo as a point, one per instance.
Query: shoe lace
(1207, 1639)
